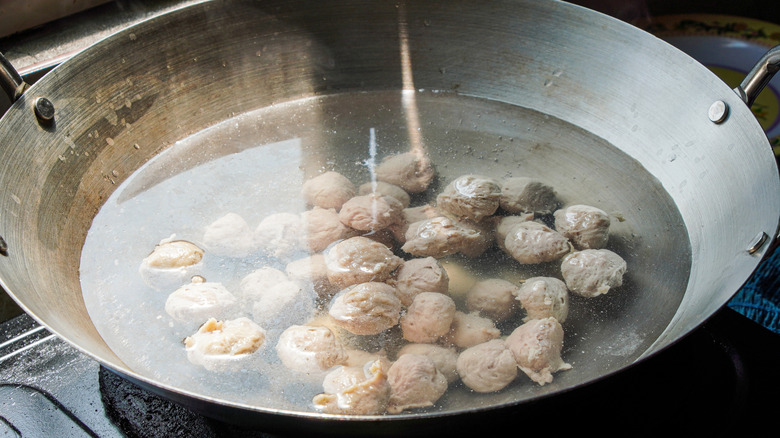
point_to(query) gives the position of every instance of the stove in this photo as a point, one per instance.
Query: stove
(716, 381)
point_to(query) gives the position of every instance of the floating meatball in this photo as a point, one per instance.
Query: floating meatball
(171, 264)
(428, 318)
(371, 212)
(312, 272)
(282, 305)
(386, 189)
(593, 272)
(469, 329)
(358, 357)
(225, 345)
(461, 279)
(328, 190)
(354, 395)
(472, 197)
(493, 298)
(279, 235)
(587, 227)
(536, 346)
(321, 227)
(522, 194)
(441, 236)
(415, 382)
(359, 260)
(310, 349)
(198, 301)
(544, 297)
(505, 224)
(532, 242)
(412, 171)
(487, 367)
(229, 236)
(254, 284)
(420, 275)
(444, 358)
(366, 309)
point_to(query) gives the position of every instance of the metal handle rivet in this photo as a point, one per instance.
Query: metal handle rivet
(718, 111)
(44, 109)
(757, 243)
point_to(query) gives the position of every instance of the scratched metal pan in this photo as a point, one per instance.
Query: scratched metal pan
(607, 113)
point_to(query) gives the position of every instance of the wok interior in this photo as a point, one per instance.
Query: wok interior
(592, 122)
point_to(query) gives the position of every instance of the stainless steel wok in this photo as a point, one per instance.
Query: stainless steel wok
(650, 134)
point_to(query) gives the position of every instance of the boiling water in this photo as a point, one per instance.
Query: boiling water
(255, 164)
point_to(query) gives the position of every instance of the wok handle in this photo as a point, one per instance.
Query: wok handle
(759, 76)
(11, 80)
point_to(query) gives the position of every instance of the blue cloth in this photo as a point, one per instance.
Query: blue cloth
(759, 298)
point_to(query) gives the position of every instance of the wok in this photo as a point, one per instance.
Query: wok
(606, 113)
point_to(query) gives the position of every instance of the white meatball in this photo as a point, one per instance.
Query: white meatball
(443, 357)
(312, 273)
(310, 349)
(171, 264)
(386, 189)
(522, 194)
(543, 297)
(415, 382)
(371, 212)
(531, 243)
(283, 304)
(368, 395)
(587, 227)
(536, 346)
(254, 284)
(472, 197)
(505, 224)
(229, 236)
(366, 308)
(359, 260)
(469, 329)
(279, 235)
(322, 227)
(441, 236)
(493, 298)
(411, 171)
(420, 275)
(428, 318)
(328, 190)
(593, 272)
(487, 367)
(198, 301)
(225, 345)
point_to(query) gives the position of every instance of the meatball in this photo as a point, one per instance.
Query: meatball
(283, 304)
(412, 171)
(593, 272)
(493, 298)
(386, 189)
(522, 194)
(462, 279)
(443, 357)
(229, 236)
(309, 349)
(328, 190)
(472, 197)
(312, 272)
(420, 275)
(487, 367)
(199, 300)
(428, 318)
(321, 227)
(371, 212)
(543, 297)
(415, 382)
(359, 260)
(356, 395)
(279, 235)
(469, 329)
(171, 264)
(254, 284)
(585, 226)
(441, 236)
(532, 242)
(505, 224)
(366, 309)
(536, 346)
(225, 345)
